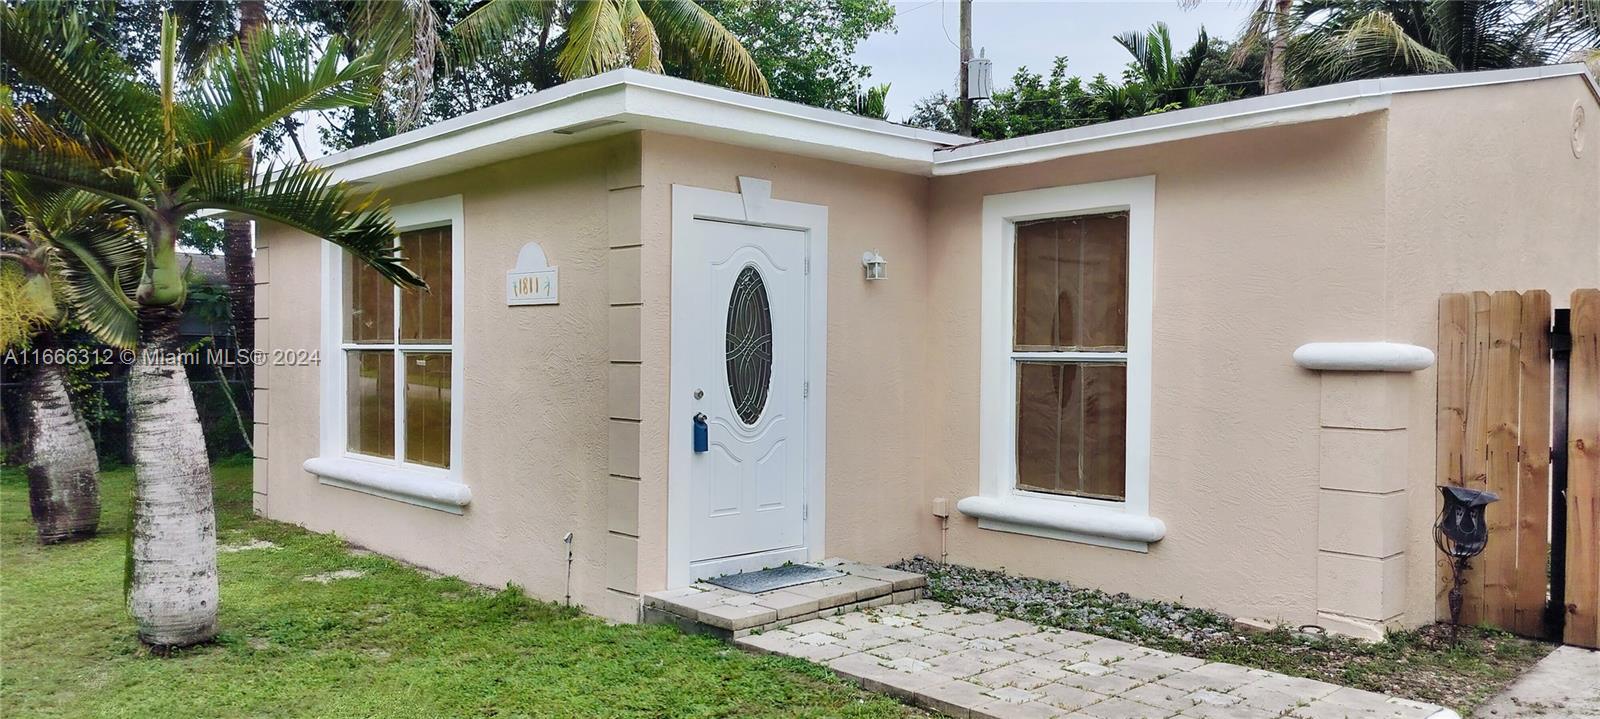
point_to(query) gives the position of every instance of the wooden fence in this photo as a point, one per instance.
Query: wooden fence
(1503, 392)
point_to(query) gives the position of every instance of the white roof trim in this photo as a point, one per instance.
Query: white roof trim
(626, 100)
(1318, 103)
(631, 100)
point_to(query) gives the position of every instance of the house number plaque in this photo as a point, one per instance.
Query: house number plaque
(533, 281)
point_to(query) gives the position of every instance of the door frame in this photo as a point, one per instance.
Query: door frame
(752, 205)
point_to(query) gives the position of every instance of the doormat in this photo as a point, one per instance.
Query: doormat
(767, 580)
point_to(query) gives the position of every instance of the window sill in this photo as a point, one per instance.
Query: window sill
(1066, 521)
(434, 489)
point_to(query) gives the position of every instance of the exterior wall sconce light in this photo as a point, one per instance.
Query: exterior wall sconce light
(1461, 533)
(876, 266)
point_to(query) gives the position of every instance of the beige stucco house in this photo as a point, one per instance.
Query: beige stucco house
(1184, 356)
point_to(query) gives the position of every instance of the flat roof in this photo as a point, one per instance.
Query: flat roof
(631, 100)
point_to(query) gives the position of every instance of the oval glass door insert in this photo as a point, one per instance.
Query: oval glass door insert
(749, 345)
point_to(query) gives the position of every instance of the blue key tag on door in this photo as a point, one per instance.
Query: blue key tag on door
(702, 434)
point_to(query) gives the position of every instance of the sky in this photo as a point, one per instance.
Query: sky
(922, 56)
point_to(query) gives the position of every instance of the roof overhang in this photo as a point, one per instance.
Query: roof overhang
(630, 100)
(1319, 103)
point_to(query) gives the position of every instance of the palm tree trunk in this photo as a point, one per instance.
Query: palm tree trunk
(238, 250)
(63, 471)
(1272, 67)
(173, 587)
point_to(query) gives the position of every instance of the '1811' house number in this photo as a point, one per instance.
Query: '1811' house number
(533, 281)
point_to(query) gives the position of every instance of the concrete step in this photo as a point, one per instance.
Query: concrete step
(702, 608)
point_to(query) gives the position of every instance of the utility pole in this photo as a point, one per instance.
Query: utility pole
(965, 121)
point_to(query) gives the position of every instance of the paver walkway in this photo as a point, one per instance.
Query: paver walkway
(1564, 685)
(974, 664)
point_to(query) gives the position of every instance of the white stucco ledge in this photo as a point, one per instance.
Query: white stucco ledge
(404, 484)
(1065, 521)
(1363, 357)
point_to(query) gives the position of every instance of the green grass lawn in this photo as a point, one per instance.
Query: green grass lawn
(391, 643)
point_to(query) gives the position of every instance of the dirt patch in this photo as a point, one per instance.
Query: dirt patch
(334, 576)
(251, 545)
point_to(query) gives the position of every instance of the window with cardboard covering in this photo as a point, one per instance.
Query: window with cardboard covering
(1069, 343)
(398, 355)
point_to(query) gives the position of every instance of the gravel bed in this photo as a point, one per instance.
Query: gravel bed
(1164, 625)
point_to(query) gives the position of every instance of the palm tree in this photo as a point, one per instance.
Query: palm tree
(69, 254)
(1174, 80)
(163, 154)
(1574, 29)
(238, 248)
(1337, 40)
(605, 35)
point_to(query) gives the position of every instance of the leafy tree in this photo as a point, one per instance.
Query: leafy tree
(805, 48)
(161, 155)
(1157, 80)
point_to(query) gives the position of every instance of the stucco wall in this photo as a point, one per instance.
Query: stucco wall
(876, 339)
(1264, 240)
(1484, 193)
(535, 440)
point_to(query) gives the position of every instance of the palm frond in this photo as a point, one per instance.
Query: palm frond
(406, 37)
(33, 147)
(90, 80)
(1573, 26)
(686, 29)
(169, 80)
(24, 305)
(1253, 34)
(1187, 71)
(1136, 43)
(1374, 45)
(486, 28)
(98, 263)
(595, 41)
(246, 88)
(94, 255)
(872, 102)
(644, 46)
(202, 26)
(306, 198)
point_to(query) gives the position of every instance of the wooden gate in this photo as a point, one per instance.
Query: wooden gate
(1519, 415)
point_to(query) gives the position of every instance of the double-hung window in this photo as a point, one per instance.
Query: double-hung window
(391, 406)
(1067, 291)
(1069, 347)
(398, 355)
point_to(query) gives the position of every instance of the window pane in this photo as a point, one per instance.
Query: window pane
(428, 408)
(749, 345)
(1072, 284)
(425, 315)
(369, 304)
(1071, 424)
(370, 392)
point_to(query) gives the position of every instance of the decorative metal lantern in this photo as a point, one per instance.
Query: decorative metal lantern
(1461, 533)
(874, 264)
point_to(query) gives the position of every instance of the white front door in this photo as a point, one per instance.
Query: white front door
(746, 365)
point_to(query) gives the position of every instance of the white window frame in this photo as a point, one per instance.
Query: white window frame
(1000, 504)
(432, 487)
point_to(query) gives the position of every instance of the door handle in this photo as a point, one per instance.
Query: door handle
(702, 433)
